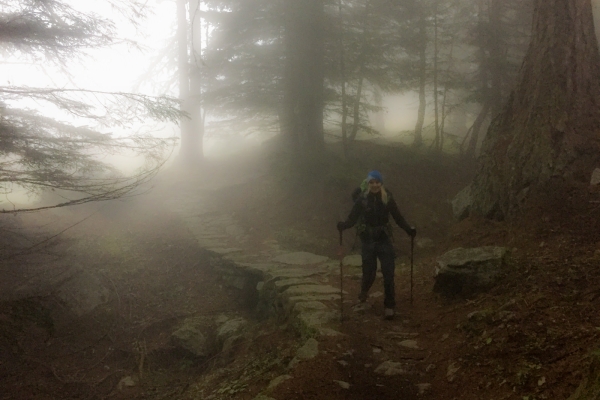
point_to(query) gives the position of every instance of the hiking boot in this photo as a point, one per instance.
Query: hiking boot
(362, 297)
(389, 313)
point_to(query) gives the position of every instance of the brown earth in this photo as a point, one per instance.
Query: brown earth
(530, 337)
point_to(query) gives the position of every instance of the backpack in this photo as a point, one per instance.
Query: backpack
(360, 194)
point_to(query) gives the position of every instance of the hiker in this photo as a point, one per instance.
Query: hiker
(373, 207)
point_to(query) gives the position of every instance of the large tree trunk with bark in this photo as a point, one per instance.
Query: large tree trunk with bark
(303, 76)
(551, 124)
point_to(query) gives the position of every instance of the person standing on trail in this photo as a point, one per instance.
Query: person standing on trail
(373, 207)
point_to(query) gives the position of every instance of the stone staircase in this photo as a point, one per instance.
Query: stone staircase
(291, 286)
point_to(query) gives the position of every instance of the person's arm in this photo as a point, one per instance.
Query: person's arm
(356, 194)
(356, 211)
(393, 209)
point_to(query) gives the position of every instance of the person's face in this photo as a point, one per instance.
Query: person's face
(374, 186)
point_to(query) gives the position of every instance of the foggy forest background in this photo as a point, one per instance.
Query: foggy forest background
(307, 72)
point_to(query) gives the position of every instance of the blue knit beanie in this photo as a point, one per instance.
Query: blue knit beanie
(375, 175)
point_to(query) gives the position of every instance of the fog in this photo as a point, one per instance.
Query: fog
(129, 65)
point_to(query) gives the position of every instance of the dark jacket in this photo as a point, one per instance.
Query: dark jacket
(375, 215)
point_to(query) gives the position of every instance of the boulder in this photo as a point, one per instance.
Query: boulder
(461, 204)
(196, 335)
(230, 328)
(464, 271)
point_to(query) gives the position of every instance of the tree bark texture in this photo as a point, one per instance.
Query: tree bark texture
(304, 75)
(551, 124)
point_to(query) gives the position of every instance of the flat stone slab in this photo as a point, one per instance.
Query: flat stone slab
(304, 306)
(353, 260)
(300, 258)
(315, 297)
(235, 230)
(294, 273)
(311, 289)
(226, 250)
(266, 268)
(283, 284)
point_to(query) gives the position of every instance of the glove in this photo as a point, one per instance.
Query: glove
(341, 226)
(412, 232)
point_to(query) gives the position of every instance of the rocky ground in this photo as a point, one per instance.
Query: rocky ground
(156, 297)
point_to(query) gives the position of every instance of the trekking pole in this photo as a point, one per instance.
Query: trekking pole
(341, 279)
(412, 247)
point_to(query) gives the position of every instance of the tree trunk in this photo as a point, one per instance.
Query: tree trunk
(343, 77)
(304, 76)
(418, 141)
(496, 57)
(190, 151)
(436, 142)
(361, 72)
(476, 128)
(550, 126)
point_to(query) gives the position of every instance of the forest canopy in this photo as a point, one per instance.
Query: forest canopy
(56, 137)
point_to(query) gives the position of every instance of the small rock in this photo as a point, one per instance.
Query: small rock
(362, 307)
(424, 243)
(128, 381)
(423, 388)
(451, 372)
(343, 385)
(278, 381)
(595, 179)
(411, 344)
(390, 368)
(541, 381)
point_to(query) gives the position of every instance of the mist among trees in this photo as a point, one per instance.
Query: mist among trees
(308, 72)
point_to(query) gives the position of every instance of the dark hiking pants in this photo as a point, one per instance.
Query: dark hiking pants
(384, 251)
